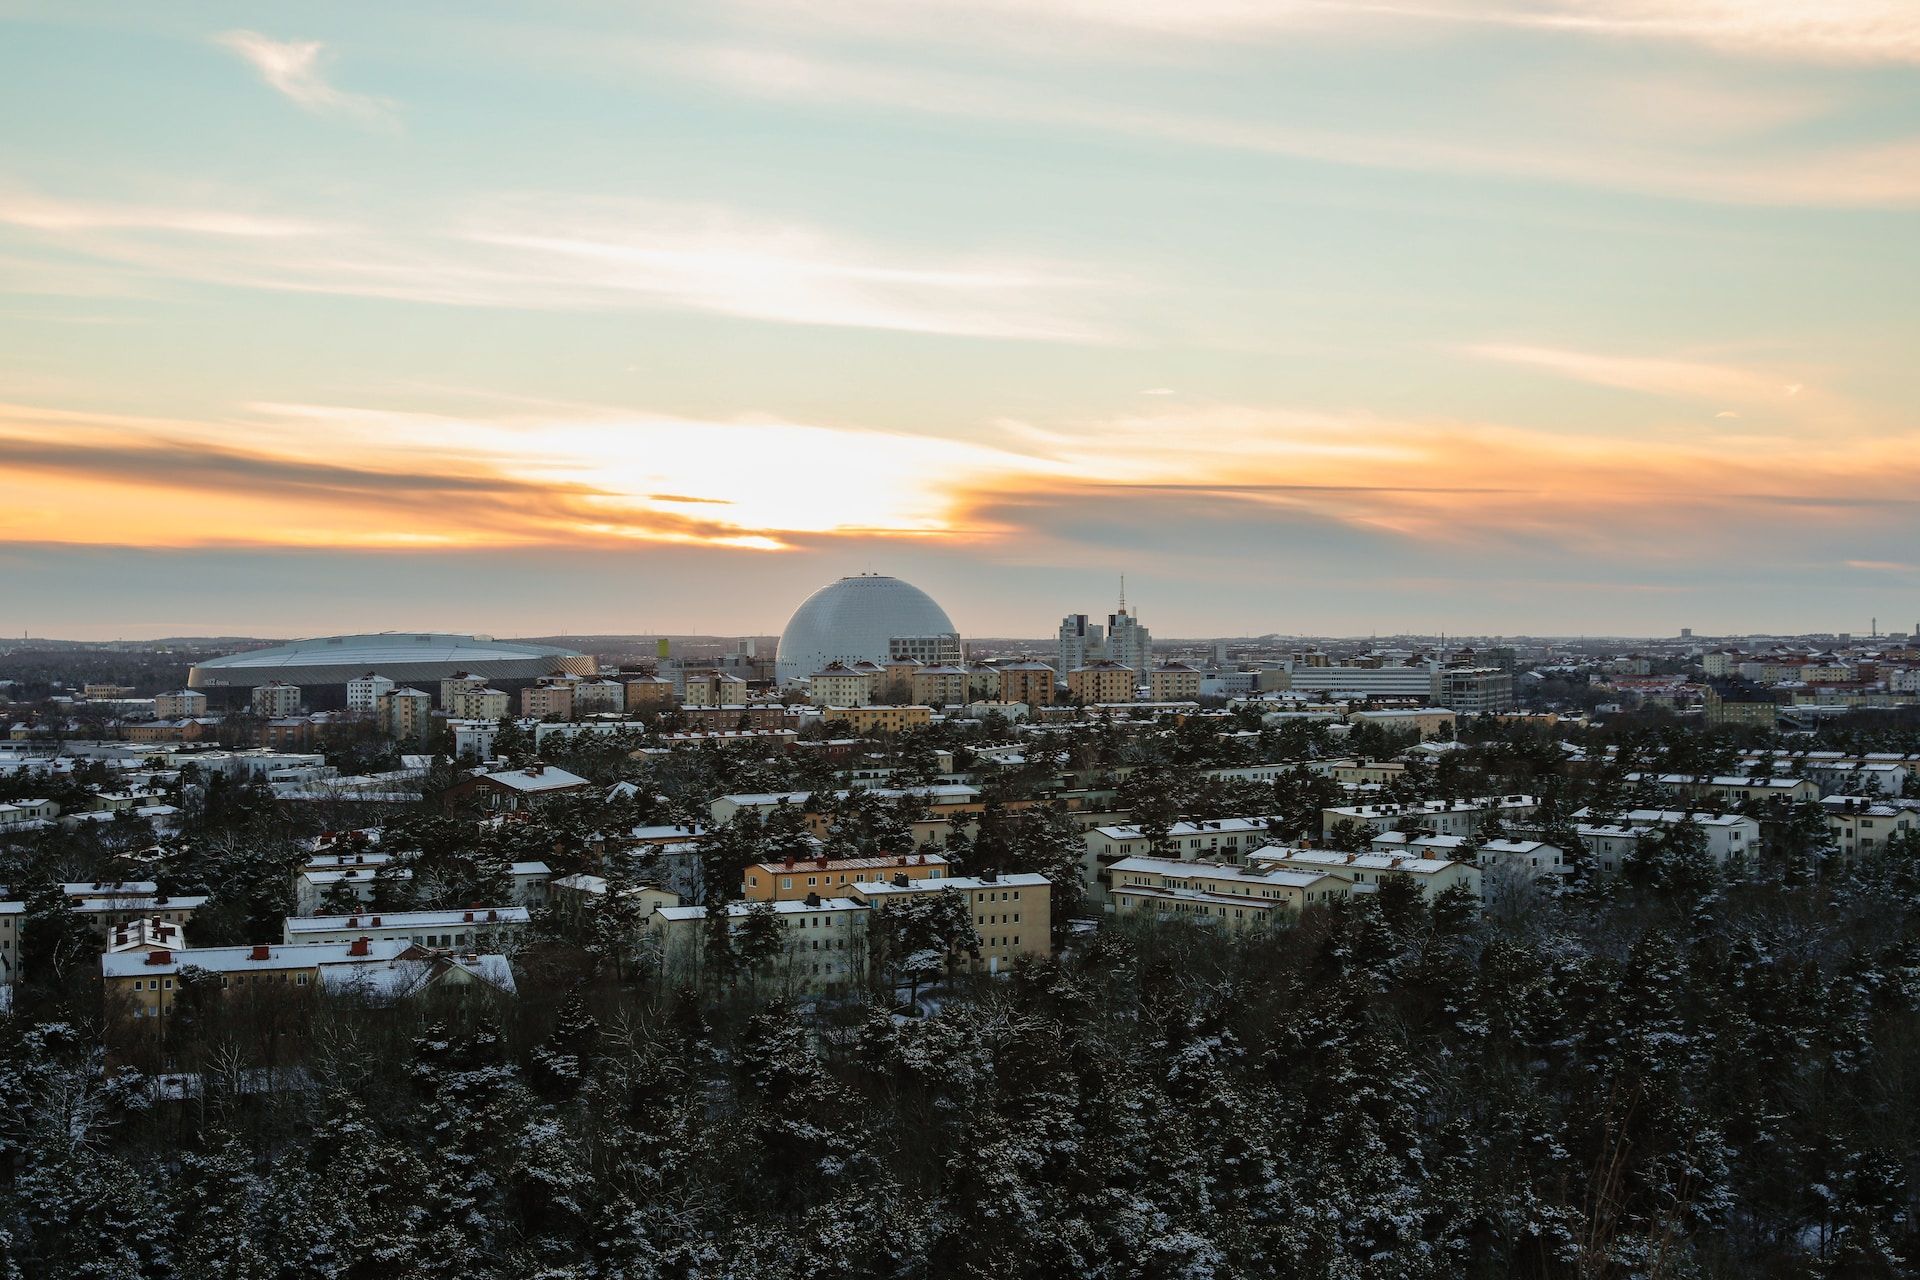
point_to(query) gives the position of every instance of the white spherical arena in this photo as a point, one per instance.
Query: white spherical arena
(854, 619)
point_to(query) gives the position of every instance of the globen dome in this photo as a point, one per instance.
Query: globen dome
(870, 616)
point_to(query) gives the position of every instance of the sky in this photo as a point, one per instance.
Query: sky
(1483, 316)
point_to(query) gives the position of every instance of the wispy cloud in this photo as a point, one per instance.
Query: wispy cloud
(587, 254)
(1659, 161)
(1664, 376)
(1830, 30)
(294, 69)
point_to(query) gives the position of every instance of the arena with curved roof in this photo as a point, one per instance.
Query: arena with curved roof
(863, 617)
(421, 658)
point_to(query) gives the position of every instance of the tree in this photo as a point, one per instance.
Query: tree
(915, 938)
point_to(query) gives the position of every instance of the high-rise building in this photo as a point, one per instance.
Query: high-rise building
(1129, 643)
(1080, 642)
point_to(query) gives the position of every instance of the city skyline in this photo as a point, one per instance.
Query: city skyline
(1555, 317)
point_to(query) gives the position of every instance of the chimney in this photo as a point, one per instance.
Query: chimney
(162, 956)
(813, 899)
(358, 947)
(467, 919)
(492, 916)
(900, 878)
(259, 952)
(376, 922)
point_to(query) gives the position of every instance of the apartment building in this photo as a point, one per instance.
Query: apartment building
(13, 917)
(796, 879)
(1441, 817)
(823, 940)
(1218, 840)
(1434, 876)
(275, 700)
(405, 715)
(1013, 914)
(485, 928)
(1031, 683)
(1227, 897)
(1727, 834)
(1174, 682)
(146, 984)
(840, 686)
(1426, 722)
(1861, 827)
(180, 704)
(880, 719)
(939, 685)
(1101, 681)
(365, 691)
(548, 700)
(105, 905)
(1688, 786)
(478, 702)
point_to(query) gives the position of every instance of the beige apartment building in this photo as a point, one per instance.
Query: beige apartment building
(1013, 914)
(880, 719)
(940, 685)
(1175, 682)
(1032, 683)
(839, 685)
(1101, 681)
(405, 714)
(546, 701)
(181, 704)
(795, 879)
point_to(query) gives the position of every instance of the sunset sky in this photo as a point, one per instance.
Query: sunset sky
(1548, 316)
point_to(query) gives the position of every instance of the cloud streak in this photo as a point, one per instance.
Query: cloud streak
(292, 68)
(1883, 173)
(593, 254)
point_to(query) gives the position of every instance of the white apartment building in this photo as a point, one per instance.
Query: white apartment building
(490, 927)
(1217, 840)
(1861, 827)
(1214, 894)
(1440, 817)
(1433, 875)
(363, 692)
(275, 700)
(1727, 833)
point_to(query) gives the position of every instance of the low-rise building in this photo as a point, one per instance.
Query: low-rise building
(146, 984)
(516, 790)
(1211, 893)
(486, 928)
(1862, 827)
(880, 719)
(1440, 817)
(1727, 834)
(1434, 876)
(825, 877)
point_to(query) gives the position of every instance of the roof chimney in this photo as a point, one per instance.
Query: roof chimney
(259, 952)
(162, 956)
(358, 947)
